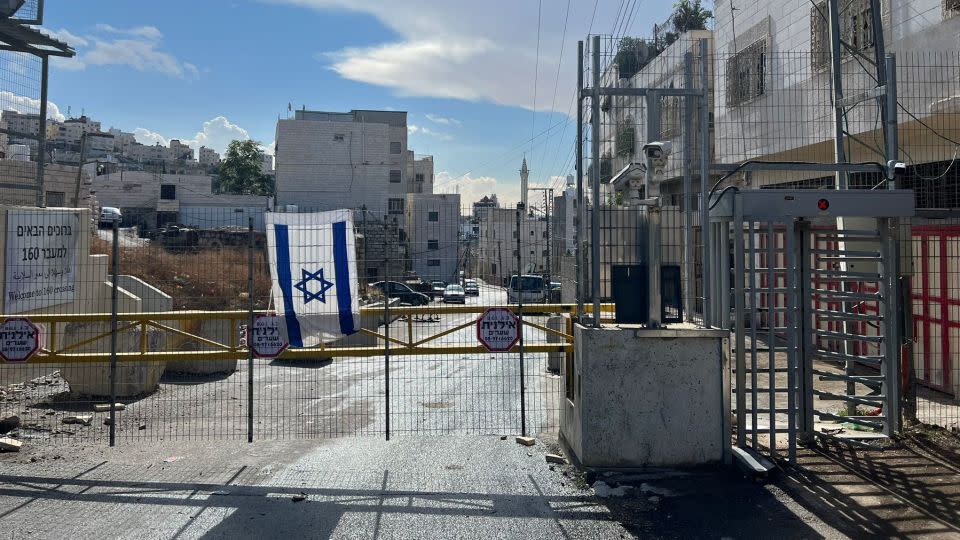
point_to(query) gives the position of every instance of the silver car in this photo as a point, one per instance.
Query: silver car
(454, 294)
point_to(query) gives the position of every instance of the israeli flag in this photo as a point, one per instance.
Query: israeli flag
(314, 270)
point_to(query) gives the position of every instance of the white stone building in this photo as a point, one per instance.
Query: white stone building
(497, 245)
(433, 235)
(328, 160)
(208, 157)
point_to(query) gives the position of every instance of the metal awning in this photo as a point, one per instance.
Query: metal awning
(18, 37)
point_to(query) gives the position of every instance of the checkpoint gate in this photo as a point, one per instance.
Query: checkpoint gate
(812, 279)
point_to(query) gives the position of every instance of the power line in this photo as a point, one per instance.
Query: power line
(536, 75)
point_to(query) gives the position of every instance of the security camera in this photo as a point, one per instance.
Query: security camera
(657, 153)
(896, 169)
(658, 149)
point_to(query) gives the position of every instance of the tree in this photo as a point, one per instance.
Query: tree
(241, 171)
(690, 15)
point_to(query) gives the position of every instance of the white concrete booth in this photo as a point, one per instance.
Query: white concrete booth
(638, 397)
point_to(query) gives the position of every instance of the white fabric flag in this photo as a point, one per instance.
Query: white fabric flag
(314, 269)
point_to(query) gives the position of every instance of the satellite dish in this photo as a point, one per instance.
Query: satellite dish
(9, 7)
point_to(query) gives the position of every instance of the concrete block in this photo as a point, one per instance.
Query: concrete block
(559, 323)
(648, 398)
(526, 441)
(10, 445)
(214, 330)
(554, 458)
(93, 380)
(84, 419)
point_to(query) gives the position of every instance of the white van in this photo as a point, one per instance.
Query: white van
(533, 288)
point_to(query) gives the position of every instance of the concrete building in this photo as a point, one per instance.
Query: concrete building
(419, 173)
(208, 157)
(327, 160)
(153, 200)
(433, 235)
(267, 165)
(19, 128)
(18, 181)
(71, 130)
(497, 245)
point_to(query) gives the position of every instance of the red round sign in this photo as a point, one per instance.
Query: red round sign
(498, 329)
(19, 340)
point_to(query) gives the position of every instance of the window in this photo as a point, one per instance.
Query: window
(395, 148)
(532, 252)
(546, 234)
(532, 233)
(372, 271)
(395, 206)
(338, 137)
(493, 268)
(168, 192)
(433, 262)
(951, 8)
(433, 244)
(746, 74)
(395, 176)
(433, 216)
(516, 253)
(545, 253)
(56, 198)
(419, 177)
(856, 29)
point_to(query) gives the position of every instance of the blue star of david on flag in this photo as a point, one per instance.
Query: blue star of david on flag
(308, 295)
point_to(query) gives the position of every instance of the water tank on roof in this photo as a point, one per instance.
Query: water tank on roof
(18, 152)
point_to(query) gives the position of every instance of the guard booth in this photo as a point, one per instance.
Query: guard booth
(811, 276)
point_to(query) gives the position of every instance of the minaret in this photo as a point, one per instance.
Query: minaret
(524, 175)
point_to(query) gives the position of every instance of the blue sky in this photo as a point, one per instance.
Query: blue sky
(465, 71)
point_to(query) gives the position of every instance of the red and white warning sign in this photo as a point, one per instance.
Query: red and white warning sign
(498, 329)
(19, 340)
(265, 337)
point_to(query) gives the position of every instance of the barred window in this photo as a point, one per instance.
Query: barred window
(395, 148)
(433, 216)
(670, 119)
(746, 74)
(433, 244)
(419, 177)
(395, 206)
(433, 262)
(395, 176)
(856, 29)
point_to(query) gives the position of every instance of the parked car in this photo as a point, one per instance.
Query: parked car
(406, 295)
(454, 294)
(423, 287)
(108, 216)
(471, 288)
(438, 288)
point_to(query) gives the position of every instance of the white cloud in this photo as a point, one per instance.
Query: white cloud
(26, 105)
(437, 119)
(215, 133)
(473, 188)
(138, 48)
(414, 128)
(147, 32)
(468, 50)
(150, 138)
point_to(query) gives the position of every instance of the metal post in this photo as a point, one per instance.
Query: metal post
(581, 213)
(892, 138)
(807, 329)
(654, 283)
(703, 119)
(836, 66)
(521, 210)
(76, 188)
(115, 270)
(891, 345)
(595, 184)
(739, 333)
(687, 188)
(250, 304)
(547, 198)
(386, 341)
(793, 305)
(42, 136)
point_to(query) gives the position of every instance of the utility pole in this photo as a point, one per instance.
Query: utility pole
(500, 261)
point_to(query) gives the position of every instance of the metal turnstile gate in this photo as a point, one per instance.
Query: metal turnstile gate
(811, 277)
